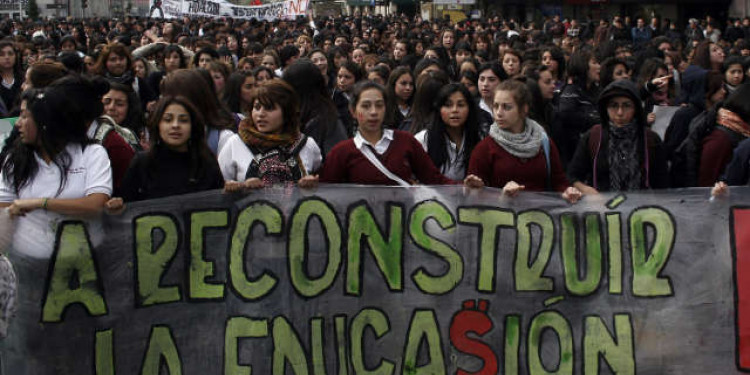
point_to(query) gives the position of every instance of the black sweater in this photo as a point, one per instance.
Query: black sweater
(581, 167)
(169, 175)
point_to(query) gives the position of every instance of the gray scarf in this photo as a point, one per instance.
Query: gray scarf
(524, 145)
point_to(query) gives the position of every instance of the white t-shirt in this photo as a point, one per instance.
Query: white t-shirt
(235, 157)
(89, 173)
(454, 168)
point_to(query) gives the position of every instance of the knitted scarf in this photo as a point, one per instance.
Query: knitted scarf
(624, 165)
(262, 141)
(524, 145)
(126, 78)
(732, 121)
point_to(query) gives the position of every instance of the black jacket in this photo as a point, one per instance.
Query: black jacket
(575, 113)
(590, 164)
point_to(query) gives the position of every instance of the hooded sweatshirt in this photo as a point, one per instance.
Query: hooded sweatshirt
(591, 163)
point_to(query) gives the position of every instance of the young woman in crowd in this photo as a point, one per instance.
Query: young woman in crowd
(12, 74)
(709, 55)
(447, 40)
(469, 80)
(490, 75)
(317, 112)
(237, 92)
(263, 74)
(116, 64)
(271, 61)
(318, 57)
(199, 90)
(269, 148)
(53, 170)
(347, 75)
(654, 81)
(511, 61)
(178, 162)
(734, 73)
(577, 111)
(376, 155)
(451, 138)
(203, 57)
(554, 58)
(400, 94)
(379, 74)
(174, 58)
(735, 114)
(219, 74)
(141, 67)
(121, 104)
(401, 49)
(728, 121)
(613, 69)
(541, 85)
(517, 154)
(422, 113)
(622, 153)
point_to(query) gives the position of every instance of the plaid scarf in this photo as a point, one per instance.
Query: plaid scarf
(732, 121)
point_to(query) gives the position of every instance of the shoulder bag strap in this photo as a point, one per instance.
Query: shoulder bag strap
(367, 152)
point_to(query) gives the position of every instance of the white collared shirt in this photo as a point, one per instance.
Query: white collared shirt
(380, 147)
(454, 168)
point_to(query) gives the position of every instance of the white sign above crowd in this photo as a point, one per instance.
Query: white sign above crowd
(287, 9)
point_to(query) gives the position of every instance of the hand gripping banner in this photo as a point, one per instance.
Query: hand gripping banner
(381, 280)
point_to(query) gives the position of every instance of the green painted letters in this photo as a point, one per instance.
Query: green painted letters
(387, 253)
(446, 282)
(73, 259)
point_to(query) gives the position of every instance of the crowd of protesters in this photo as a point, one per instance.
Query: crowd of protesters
(116, 111)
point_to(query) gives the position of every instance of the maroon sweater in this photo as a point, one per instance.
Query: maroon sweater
(404, 157)
(496, 167)
(716, 153)
(120, 153)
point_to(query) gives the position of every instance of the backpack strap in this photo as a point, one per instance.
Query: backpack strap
(646, 153)
(595, 145)
(545, 148)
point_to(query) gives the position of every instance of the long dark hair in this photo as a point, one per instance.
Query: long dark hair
(196, 85)
(18, 62)
(278, 92)
(422, 113)
(314, 100)
(135, 120)
(557, 54)
(176, 48)
(539, 108)
(392, 98)
(578, 68)
(233, 90)
(437, 146)
(199, 153)
(57, 126)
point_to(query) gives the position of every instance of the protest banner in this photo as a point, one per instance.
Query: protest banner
(286, 9)
(383, 280)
